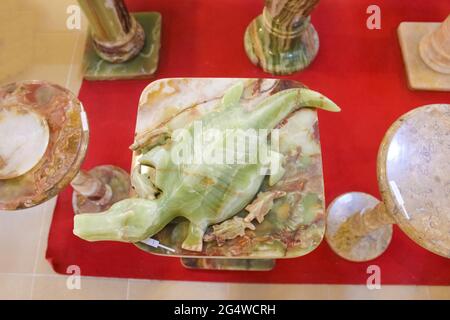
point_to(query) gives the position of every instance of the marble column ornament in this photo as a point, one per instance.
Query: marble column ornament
(295, 223)
(426, 54)
(282, 39)
(414, 181)
(435, 48)
(117, 36)
(44, 135)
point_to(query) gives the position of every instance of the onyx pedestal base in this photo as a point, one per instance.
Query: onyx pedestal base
(419, 75)
(142, 66)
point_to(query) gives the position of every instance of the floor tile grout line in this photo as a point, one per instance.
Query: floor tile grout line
(47, 208)
(71, 64)
(129, 281)
(18, 274)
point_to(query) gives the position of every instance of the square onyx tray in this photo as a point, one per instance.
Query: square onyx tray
(295, 225)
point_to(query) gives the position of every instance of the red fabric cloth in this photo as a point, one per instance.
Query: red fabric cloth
(360, 69)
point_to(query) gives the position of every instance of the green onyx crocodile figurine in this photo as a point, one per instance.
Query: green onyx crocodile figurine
(204, 194)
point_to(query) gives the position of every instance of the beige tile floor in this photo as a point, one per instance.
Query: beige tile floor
(24, 272)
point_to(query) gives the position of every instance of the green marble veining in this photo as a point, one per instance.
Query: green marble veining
(142, 66)
(212, 193)
(282, 40)
(293, 224)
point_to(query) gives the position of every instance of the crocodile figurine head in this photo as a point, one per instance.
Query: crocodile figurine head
(205, 194)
